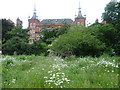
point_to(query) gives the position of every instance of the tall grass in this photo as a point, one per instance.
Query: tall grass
(54, 72)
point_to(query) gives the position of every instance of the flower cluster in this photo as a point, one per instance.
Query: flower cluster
(7, 58)
(13, 80)
(57, 77)
(106, 63)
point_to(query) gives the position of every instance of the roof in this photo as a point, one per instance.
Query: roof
(34, 16)
(55, 21)
(80, 15)
(10, 21)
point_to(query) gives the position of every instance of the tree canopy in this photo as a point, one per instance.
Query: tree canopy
(112, 16)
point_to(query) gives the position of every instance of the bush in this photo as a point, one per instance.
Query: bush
(108, 35)
(38, 48)
(77, 42)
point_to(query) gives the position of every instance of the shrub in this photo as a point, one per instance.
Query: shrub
(77, 42)
(39, 48)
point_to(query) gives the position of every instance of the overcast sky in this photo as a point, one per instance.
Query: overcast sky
(51, 9)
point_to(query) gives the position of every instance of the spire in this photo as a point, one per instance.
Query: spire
(34, 7)
(79, 7)
(34, 13)
(79, 12)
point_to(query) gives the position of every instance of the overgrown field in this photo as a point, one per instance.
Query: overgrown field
(55, 72)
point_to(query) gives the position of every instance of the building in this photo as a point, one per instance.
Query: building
(19, 22)
(10, 21)
(36, 25)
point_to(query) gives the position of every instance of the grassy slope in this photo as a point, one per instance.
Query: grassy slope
(54, 72)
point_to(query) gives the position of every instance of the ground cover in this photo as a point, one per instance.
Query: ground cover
(54, 72)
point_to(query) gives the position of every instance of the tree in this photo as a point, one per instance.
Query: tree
(6, 27)
(112, 16)
(38, 48)
(77, 41)
(51, 34)
(17, 42)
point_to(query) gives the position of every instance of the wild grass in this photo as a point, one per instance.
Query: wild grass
(55, 72)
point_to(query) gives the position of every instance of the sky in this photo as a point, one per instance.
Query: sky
(52, 9)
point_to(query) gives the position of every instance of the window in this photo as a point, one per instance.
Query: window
(32, 31)
(34, 24)
(30, 24)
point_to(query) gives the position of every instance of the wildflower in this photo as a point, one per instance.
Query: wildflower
(32, 68)
(53, 75)
(45, 77)
(67, 80)
(112, 70)
(49, 71)
(60, 86)
(117, 66)
(57, 75)
(13, 81)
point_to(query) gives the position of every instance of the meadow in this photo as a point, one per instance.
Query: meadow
(54, 72)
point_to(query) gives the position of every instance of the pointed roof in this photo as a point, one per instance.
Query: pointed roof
(79, 12)
(34, 13)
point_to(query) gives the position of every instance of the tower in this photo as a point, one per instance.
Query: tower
(80, 20)
(32, 25)
(34, 20)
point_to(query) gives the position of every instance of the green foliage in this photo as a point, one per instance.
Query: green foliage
(38, 48)
(77, 42)
(63, 29)
(112, 16)
(15, 44)
(50, 35)
(42, 72)
(18, 41)
(107, 34)
(6, 27)
(7, 63)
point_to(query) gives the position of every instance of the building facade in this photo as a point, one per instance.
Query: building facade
(19, 22)
(35, 25)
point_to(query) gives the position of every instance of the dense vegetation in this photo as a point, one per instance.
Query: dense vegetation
(112, 16)
(77, 41)
(54, 72)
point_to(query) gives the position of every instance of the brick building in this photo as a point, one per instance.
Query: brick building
(19, 22)
(36, 25)
(10, 21)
